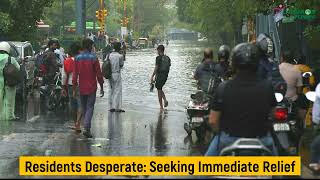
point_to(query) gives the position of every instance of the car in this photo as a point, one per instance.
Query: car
(25, 56)
(143, 42)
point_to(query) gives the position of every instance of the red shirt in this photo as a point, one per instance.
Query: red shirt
(87, 70)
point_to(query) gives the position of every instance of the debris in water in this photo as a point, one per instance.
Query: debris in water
(97, 145)
(48, 152)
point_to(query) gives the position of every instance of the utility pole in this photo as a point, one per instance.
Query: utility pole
(81, 17)
(62, 7)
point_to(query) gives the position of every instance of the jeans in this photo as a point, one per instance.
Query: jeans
(315, 150)
(226, 140)
(87, 103)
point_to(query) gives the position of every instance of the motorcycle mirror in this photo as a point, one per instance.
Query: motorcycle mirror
(311, 95)
(279, 97)
(307, 74)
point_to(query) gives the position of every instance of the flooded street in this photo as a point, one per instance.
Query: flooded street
(141, 131)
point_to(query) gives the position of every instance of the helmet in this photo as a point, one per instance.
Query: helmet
(224, 52)
(52, 41)
(265, 44)
(4, 46)
(245, 56)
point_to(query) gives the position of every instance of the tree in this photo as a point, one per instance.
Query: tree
(55, 17)
(221, 20)
(148, 14)
(19, 17)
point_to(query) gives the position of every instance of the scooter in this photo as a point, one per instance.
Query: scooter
(198, 115)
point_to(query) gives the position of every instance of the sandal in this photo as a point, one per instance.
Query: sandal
(166, 103)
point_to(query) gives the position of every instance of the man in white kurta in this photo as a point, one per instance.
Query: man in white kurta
(117, 62)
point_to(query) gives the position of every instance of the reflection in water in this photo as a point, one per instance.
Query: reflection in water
(114, 133)
(30, 109)
(80, 147)
(6, 126)
(161, 134)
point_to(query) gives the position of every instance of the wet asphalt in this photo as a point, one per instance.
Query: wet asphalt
(141, 131)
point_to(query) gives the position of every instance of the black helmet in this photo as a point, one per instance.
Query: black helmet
(224, 52)
(245, 56)
(265, 44)
(52, 41)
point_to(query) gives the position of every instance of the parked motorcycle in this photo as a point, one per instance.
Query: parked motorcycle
(52, 94)
(198, 115)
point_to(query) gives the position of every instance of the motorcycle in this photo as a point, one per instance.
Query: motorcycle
(286, 130)
(245, 147)
(52, 94)
(198, 115)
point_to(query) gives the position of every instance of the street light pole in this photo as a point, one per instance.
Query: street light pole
(62, 7)
(81, 17)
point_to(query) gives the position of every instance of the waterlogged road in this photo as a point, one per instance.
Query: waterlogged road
(142, 131)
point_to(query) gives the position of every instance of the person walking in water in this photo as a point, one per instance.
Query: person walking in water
(160, 75)
(117, 61)
(87, 71)
(67, 71)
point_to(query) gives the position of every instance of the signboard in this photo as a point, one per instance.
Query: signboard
(302, 14)
(124, 31)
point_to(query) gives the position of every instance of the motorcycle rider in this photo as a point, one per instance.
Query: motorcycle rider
(268, 68)
(294, 81)
(303, 67)
(223, 61)
(234, 112)
(205, 70)
(51, 62)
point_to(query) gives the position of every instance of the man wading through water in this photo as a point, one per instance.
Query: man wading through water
(116, 59)
(87, 71)
(160, 75)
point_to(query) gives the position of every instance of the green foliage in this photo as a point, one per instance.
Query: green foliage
(18, 17)
(221, 20)
(5, 22)
(148, 14)
(55, 17)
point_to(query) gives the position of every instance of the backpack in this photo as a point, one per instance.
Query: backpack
(274, 75)
(11, 74)
(106, 68)
(68, 65)
(211, 80)
(165, 64)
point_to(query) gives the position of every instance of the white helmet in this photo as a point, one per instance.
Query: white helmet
(4, 46)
